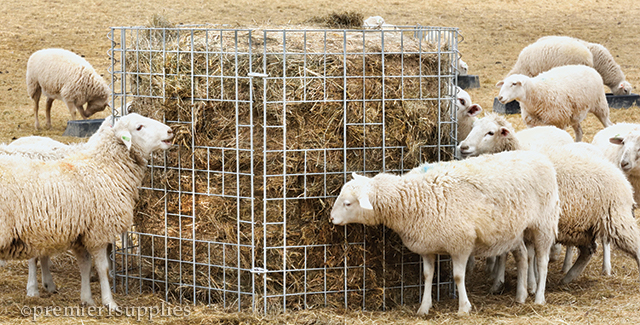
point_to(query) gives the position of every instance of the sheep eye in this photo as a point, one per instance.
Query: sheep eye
(347, 203)
(461, 101)
(490, 133)
(139, 127)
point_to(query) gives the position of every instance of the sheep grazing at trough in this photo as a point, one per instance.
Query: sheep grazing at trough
(596, 201)
(462, 208)
(81, 202)
(64, 75)
(560, 97)
(553, 51)
(466, 111)
(620, 143)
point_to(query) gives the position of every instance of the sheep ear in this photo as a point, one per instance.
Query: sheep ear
(363, 199)
(125, 137)
(504, 131)
(474, 110)
(500, 83)
(616, 140)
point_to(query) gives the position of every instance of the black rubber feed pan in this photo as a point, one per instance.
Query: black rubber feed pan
(82, 128)
(614, 101)
(468, 81)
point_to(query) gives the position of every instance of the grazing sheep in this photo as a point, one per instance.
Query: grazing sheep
(61, 74)
(466, 112)
(553, 51)
(463, 68)
(595, 198)
(483, 206)
(620, 143)
(81, 202)
(560, 97)
(550, 52)
(612, 75)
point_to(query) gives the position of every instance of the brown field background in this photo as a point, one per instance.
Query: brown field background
(494, 32)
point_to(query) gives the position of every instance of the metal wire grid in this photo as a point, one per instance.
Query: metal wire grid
(145, 259)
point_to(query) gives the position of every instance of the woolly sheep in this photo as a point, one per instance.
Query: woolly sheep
(461, 208)
(49, 207)
(466, 112)
(560, 97)
(620, 143)
(64, 75)
(553, 51)
(595, 198)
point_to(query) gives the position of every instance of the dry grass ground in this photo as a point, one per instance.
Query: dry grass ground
(494, 32)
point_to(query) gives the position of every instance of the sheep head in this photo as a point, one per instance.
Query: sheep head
(630, 143)
(624, 88)
(512, 88)
(353, 204)
(147, 135)
(489, 134)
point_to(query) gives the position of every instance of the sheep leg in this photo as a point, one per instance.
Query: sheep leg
(32, 279)
(521, 256)
(489, 263)
(102, 267)
(542, 260)
(498, 273)
(84, 264)
(606, 257)
(554, 254)
(429, 267)
(459, 268)
(578, 131)
(47, 112)
(471, 263)
(36, 106)
(586, 252)
(72, 110)
(531, 272)
(47, 279)
(568, 260)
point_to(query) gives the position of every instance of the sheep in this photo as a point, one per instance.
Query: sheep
(64, 75)
(462, 208)
(81, 202)
(553, 51)
(620, 143)
(595, 198)
(466, 112)
(560, 97)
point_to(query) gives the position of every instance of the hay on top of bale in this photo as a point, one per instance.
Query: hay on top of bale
(257, 160)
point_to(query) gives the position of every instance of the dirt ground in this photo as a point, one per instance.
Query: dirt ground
(494, 32)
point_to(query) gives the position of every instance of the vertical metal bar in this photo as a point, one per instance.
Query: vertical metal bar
(284, 167)
(193, 170)
(345, 107)
(252, 146)
(238, 201)
(265, 173)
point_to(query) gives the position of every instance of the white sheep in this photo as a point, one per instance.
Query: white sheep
(483, 206)
(81, 202)
(620, 143)
(560, 97)
(553, 51)
(595, 198)
(466, 112)
(64, 75)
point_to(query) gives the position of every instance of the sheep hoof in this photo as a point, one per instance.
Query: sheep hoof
(33, 293)
(112, 306)
(50, 287)
(497, 288)
(3, 263)
(423, 311)
(88, 303)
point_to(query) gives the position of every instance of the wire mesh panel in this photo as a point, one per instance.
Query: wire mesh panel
(269, 124)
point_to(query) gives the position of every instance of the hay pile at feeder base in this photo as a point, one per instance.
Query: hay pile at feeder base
(237, 136)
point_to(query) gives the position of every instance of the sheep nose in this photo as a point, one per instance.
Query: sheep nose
(624, 164)
(500, 99)
(464, 147)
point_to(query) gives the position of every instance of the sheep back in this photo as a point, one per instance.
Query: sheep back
(549, 52)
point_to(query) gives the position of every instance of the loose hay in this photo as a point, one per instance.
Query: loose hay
(257, 160)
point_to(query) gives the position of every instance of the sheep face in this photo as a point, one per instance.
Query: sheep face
(94, 106)
(630, 150)
(464, 107)
(485, 137)
(512, 88)
(624, 88)
(146, 134)
(353, 205)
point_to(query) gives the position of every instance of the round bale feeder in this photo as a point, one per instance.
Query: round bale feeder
(269, 124)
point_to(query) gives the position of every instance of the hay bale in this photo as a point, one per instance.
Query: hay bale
(257, 158)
